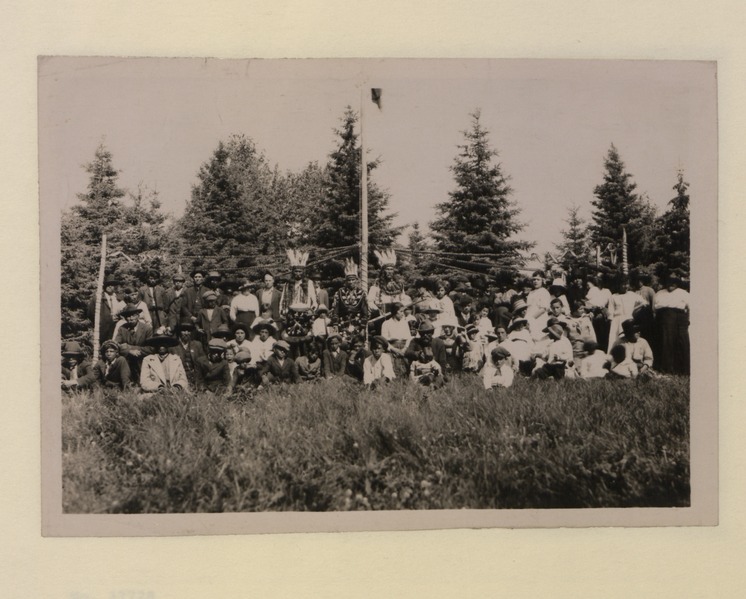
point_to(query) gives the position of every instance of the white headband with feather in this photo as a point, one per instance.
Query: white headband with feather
(297, 258)
(350, 268)
(386, 257)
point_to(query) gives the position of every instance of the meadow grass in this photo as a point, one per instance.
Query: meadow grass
(335, 446)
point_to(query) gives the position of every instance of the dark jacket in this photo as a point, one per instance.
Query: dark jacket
(156, 301)
(334, 365)
(134, 338)
(86, 375)
(118, 376)
(272, 310)
(273, 372)
(208, 325)
(216, 377)
(173, 305)
(107, 320)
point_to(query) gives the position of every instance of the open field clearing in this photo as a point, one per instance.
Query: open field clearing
(333, 446)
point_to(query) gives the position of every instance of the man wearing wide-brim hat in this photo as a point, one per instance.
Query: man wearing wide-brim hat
(77, 371)
(110, 308)
(163, 370)
(131, 338)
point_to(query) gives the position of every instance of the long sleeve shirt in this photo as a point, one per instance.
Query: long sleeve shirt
(244, 303)
(375, 369)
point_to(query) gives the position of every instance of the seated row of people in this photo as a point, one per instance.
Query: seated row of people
(164, 361)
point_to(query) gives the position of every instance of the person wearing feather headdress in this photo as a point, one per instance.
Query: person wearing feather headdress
(387, 289)
(297, 304)
(349, 305)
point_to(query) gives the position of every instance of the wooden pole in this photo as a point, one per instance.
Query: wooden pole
(99, 293)
(363, 201)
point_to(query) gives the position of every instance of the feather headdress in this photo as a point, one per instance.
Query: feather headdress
(297, 258)
(386, 257)
(350, 268)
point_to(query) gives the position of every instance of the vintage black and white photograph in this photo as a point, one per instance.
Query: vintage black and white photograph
(376, 285)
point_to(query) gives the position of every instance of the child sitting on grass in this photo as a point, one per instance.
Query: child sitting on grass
(280, 368)
(309, 365)
(595, 365)
(377, 367)
(498, 372)
(216, 374)
(622, 366)
(425, 370)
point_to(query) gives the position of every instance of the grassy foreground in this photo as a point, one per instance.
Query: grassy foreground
(333, 446)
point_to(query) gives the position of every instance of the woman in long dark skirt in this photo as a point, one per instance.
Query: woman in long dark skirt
(672, 328)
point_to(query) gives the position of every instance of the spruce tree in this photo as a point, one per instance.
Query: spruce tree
(231, 212)
(480, 216)
(337, 221)
(135, 230)
(573, 251)
(673, 232)
(617, 205)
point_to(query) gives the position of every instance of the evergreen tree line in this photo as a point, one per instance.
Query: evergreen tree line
(245, 212)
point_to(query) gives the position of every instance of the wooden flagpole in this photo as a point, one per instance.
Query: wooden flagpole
(363, 200)
(99, 293)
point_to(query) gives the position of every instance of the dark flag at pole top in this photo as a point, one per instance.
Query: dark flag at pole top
(375, 95)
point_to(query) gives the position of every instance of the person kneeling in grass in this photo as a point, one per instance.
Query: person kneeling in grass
(378, 367)
(498, 372)
(162, 370)
(279, 368)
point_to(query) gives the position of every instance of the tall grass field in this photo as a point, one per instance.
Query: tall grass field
(334, 446)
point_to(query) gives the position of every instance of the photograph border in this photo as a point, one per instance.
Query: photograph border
(703, 434)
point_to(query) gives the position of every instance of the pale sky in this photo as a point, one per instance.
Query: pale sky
(552, 123)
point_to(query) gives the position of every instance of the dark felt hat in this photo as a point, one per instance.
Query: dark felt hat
(222, 332)
(161, 340)
(72, 349)
(130, 309)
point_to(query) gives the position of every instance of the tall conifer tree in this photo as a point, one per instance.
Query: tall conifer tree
(617, 205)
(338, 219)
(480, 216)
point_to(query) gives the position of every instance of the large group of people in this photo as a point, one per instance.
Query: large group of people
(222, 335)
